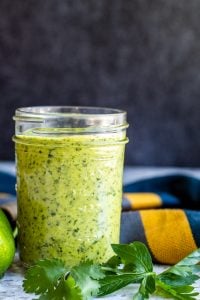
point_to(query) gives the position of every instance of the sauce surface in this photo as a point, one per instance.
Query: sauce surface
(69, 191)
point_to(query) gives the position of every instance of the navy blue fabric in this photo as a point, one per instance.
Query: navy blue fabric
(129, 222)
(7, 183)
(170, 200)
(185, 188)
(194, 220)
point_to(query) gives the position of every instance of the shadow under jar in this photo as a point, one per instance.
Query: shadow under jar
(69, 163)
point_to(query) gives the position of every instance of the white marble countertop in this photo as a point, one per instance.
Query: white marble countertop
(11, 284)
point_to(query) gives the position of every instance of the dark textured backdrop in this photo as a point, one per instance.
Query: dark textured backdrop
(142, 56)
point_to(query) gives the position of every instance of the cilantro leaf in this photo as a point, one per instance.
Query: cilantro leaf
(86, 276)
(51, 280)
(134, 255)
(65, 290)
(43, 276)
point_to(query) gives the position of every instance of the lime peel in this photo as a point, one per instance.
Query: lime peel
(7, 244)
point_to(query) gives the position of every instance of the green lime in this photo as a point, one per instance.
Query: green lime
(7, 244)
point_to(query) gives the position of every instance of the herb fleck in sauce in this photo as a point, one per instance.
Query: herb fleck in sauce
(69, 196)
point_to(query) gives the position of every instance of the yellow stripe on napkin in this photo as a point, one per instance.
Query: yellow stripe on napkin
(168, 234)
(143, 200)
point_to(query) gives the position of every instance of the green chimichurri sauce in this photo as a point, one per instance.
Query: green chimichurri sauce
(69, 192)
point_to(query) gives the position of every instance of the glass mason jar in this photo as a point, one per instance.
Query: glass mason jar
(69, 163)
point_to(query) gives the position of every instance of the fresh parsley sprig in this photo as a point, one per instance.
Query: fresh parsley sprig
(52, 280)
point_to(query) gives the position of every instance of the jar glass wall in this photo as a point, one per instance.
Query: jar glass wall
(69, 163)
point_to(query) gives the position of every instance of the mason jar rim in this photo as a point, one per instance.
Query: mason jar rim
(65, 110)
(95, 116)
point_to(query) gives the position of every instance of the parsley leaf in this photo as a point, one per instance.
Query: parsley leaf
(135, 256)
(177, 280)
(137, 267)
(187, 265)
(112, 283)
(183, 292)
(146, 288)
